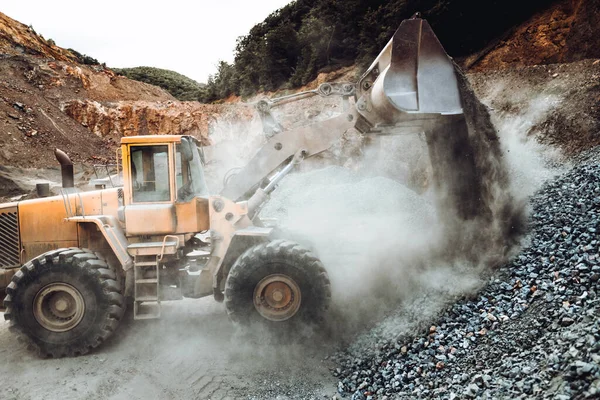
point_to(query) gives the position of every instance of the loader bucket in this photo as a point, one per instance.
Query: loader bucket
(414, 86)
(413, 74)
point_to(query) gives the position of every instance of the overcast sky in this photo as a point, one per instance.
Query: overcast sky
(189, 37)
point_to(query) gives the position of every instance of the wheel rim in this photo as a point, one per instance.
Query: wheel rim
(58, 307)
(277, 297)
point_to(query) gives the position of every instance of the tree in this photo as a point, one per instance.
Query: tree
(314, 39)
(281, 55)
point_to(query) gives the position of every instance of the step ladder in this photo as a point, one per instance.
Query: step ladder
(146, 288)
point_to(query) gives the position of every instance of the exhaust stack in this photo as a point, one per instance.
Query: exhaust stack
(66, 166)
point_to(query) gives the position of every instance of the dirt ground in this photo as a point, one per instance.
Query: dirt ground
(557, 104)
(192, 352)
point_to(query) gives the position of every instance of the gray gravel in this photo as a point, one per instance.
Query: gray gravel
(532, 331)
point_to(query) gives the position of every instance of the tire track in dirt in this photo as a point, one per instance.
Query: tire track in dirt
(193, 352)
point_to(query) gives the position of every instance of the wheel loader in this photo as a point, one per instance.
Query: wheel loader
(84, 253)
(70, 263)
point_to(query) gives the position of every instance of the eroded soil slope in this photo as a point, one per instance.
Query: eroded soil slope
(49, 99)
(556, 104)
(566, 31)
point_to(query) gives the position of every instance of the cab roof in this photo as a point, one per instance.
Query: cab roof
(145, 139)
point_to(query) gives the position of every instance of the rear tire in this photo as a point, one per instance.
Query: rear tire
(278, 284)
(67, 302)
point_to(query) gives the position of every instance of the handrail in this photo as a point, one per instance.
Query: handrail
(67, 203)
(164, 243)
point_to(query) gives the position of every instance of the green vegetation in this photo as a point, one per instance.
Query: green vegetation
(180, 86)
(294, 43)
(83, 59)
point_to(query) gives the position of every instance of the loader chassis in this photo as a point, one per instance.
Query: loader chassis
(75, 258)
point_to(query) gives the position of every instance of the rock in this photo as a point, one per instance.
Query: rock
(471, 390)
(566, 321)
(582, 368)
(6, 154)
(358, 395)
(146, 118)
(531, 332)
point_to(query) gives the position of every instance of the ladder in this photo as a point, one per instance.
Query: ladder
(146, 287)
(147, 257)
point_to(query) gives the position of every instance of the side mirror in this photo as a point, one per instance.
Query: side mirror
(186, 150)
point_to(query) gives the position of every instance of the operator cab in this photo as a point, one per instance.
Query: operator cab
(153, 160)
(163, 181)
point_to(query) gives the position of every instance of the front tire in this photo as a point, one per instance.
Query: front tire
(67, 302)
(277, 284)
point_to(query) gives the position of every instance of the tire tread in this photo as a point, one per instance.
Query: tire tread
(87, 263)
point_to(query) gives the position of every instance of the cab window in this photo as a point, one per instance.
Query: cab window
(181, 171)
(150, 173)
(189, 180)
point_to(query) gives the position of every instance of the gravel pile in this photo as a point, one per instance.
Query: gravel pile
(532, 332)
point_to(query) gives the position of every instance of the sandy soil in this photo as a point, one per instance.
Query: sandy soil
(193, 351)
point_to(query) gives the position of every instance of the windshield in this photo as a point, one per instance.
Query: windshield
(190, 174)
(150, 173)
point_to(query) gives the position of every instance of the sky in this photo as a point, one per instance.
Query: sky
(189, 37)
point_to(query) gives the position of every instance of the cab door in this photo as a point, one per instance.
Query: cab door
(150, 190)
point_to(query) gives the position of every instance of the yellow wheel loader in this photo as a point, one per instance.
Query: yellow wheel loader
(69, 262)
(84, 253)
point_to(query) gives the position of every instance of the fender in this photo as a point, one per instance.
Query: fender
(228, 220)
(113, 234)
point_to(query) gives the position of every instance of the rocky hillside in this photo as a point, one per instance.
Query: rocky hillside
(565, 32)
(50, 97)
(291, 46)
(180, 86)
(130, 118)
(557, 104)
(17, 39)
(36, 78)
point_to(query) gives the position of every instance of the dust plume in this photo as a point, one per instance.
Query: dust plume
(517, 113)
(429, 235)
(233, 143)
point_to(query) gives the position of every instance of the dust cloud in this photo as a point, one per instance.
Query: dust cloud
(233, 143)
(382, 234)
(529, 162)
(402, 233)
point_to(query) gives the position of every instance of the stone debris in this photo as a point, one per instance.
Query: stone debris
(532, 332)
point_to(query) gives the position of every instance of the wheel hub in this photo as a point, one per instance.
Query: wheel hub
(277, 297)
(58, 307)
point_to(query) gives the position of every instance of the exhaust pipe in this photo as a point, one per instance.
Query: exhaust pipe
(66, 166)
(42, 189)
